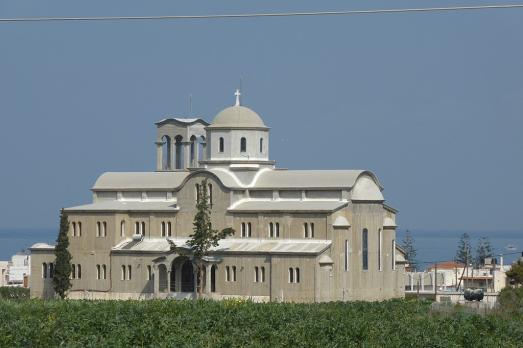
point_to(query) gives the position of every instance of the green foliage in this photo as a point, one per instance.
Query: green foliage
(515, 273)
(483, 250)
(163, 323)
(14, 293)
(410, 250)
(204, 236)
(463, 254)
(511, 300)
(62, 267)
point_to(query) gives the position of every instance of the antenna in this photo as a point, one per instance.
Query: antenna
(190, 104)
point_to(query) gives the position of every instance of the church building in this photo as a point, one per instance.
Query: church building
(300, 235)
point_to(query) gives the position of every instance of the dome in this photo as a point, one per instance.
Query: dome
(237, 117)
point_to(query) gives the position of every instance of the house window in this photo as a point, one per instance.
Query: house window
(261, 145)
(364, 248)
(393, 254)
(44, 270)
(221, 144)
(256, 279)
(379, 249)
(129, 272)
(243, 144)
(346, 255)
(122, 229)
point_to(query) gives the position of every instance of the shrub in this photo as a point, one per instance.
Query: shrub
(14, 293)
(511, 300)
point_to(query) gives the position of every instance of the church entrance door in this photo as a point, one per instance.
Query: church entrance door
(187, 277)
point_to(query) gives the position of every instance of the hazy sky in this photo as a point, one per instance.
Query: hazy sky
(432, 103)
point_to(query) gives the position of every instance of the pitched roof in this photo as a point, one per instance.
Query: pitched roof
(125, 206)
(284, 205)
(447, 265)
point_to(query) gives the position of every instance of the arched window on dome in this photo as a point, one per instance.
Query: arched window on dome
(166, 153)
(179, 152)
(261, 145)
(221, 144)
(243, 144)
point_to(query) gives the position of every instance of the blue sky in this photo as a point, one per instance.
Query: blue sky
(432, 103)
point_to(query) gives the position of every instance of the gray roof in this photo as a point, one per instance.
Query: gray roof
(237, 117)
(308, 178)
(184, 121)
(283, 205)
(140, 180)
(125, 206)
(231, 245)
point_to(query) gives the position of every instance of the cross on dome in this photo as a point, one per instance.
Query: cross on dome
(237, 94)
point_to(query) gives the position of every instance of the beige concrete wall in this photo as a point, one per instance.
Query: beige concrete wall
(40, 287)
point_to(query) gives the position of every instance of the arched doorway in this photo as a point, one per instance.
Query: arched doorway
(162, 279)
(187, 277)
(173, 278)
(213, 278)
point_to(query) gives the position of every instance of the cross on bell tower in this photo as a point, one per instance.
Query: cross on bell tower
(237, 94)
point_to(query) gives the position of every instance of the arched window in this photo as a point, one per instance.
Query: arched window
(73, 271)
(79, 231)
(166, 153)
(136, 227)
(104, 272)
(277, 230)
(197, 186)
(262, 274)
(291, 275)
(73, 229)
(98, 228)
(261, 145)
(51, 270)
(194, 146)
(271, 230)
(365, 249)
(163, 229)
(346, 255)
(256, 274)
(169, 229)
(243, 144)
(149, 273)
(122, 276)
(143, 228)
(179, 152)
(122, 229)
(104, 229)
(233, 273)
(221, 144)
(312, 229)
(393, 254)
(210, 195)
(227, 274)
(306, 230)
(129, 272)
(44, 270)
(249, 229)
(297, 275)
(79, 271)
(379, 249)
(242, 229)
(98, 272)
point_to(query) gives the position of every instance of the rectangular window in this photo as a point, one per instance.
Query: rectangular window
(346, 255)
(364, 249)
(379, 249)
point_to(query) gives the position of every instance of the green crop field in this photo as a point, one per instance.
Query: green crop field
(397, 323)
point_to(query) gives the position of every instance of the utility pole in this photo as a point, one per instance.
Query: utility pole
(436, 281)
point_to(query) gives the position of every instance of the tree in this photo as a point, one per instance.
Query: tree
(483, 250)
(62, 268)
(204, 236)
(515, 273)
(463, 254)
(410, 250)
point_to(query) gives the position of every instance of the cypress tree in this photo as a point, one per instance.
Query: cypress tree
(483, 251)
(62, 269)
(463, 254)
(204, 236)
